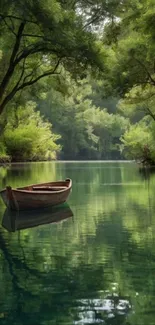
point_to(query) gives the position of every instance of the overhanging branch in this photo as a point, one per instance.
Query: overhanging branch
(146, 70)
(21, 76)
(12, 63)
(43, 75)
(26, 84)
(10, 27)
(18, 18)
(33, 50)
(150, 112)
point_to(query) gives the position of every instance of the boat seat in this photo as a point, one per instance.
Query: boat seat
(49, 188)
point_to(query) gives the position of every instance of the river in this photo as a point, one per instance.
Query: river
(97, 264)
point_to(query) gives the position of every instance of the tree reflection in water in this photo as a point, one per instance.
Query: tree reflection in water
(95, 311)
(95, 269)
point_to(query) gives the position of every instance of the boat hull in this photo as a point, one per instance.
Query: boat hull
(25, 198)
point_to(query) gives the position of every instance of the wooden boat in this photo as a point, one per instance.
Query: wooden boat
(36, 195)
(20, 220)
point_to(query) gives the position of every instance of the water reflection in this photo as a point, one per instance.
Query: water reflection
(17, 220)
(98, 269)
(146, 172)
(97, 311)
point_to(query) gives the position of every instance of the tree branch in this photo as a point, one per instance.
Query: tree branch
(18, 18)
(12, 63)
(93, 20)
(21, 76)
(33, 50)
(150, 112)
(26, 84)
(9, 27)
(31, 73)
(148, 73)
(45, 74)
(17, 43)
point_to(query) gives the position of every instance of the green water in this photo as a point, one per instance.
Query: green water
(97, 267)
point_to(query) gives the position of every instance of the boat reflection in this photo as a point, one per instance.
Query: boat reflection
(17, 220)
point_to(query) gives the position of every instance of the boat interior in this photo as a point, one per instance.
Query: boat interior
(53, 186)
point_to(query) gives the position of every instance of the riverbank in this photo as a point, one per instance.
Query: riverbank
(5, 159)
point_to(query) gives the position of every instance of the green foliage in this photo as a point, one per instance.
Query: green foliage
(131, 53)
(111, 41)
(28, 137)
(138, 142)
(4, 157)
(39, 39)
(130, 49)
(138, 99)
(107, 128)
(87, 131)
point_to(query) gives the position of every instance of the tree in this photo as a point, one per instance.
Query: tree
(131, 47)
(87, 131)
(130, 44)
(95, 14)
(107, 129)
(139, 99)
(37, 39)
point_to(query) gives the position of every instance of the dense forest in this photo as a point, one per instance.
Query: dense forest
(77, 80)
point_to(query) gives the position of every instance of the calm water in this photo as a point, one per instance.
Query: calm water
(97, 267)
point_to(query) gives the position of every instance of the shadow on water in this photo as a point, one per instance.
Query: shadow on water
(146, 172)
(17, 220)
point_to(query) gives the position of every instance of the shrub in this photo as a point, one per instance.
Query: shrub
(29, 137)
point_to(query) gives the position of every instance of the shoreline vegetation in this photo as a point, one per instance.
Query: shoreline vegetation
(76, 85)
(4, 160)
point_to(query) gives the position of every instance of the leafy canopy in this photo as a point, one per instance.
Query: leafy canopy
(38, 38)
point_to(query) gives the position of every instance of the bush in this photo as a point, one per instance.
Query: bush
(29, 137)
(138, 143)
(4, 158)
